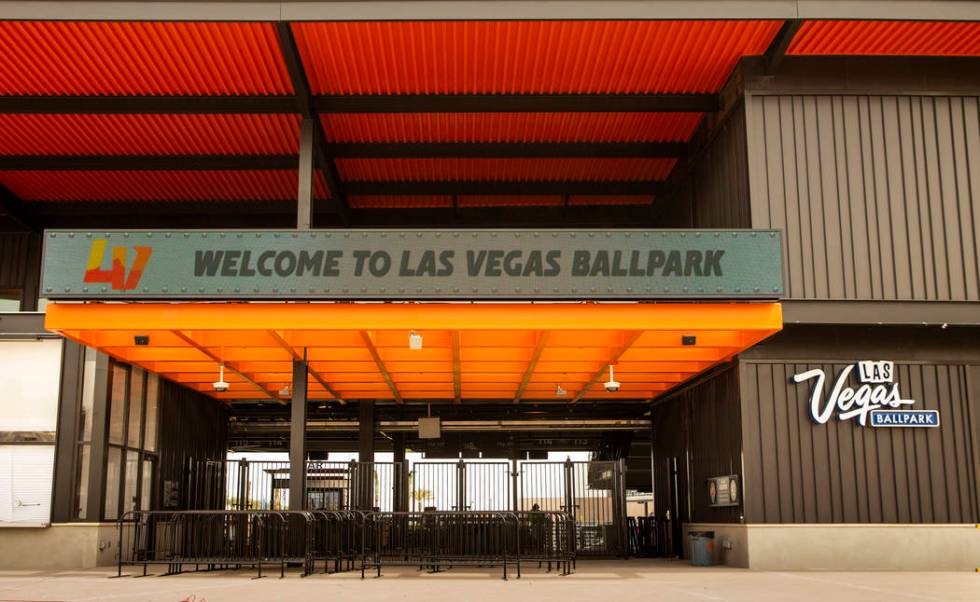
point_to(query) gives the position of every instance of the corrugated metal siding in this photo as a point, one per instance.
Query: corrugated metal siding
(510, 127)
(18, 254)
(877, 195)
(534, 57)
(148, 134)
(152, 185)
(504, 169)
(720, 178)
(702, 428)
(923, 38)
(800, 472)
(193, 427)
(140, 58)
(398, 202)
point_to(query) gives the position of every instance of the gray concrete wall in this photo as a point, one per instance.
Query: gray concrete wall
(59, 546)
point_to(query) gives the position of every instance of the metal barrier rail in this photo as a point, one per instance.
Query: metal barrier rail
(649, 537)
(443, 539)
(219, 539)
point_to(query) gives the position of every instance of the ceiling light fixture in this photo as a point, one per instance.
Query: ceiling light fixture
(220, 385)
(560, 392)
(414, 340)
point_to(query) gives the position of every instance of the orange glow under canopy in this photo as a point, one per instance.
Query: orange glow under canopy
(470, 351)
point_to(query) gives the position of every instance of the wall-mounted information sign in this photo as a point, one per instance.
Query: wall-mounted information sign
(724, 491)
(412, 264)
(875, 399)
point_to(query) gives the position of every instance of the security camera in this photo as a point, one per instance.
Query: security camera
(612, 385)
(220, 385)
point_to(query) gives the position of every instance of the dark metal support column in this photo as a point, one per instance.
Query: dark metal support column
(365, 455)
(297, 438)
(66, 440)
(401, 476)
(307, 172)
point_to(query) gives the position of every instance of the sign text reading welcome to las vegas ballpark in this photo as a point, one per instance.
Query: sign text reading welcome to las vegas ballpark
(413, 264)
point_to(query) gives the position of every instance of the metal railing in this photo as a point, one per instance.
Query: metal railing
(592, 493)
(649, 537)
(344, 540)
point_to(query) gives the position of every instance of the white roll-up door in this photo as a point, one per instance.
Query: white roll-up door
(25, 483)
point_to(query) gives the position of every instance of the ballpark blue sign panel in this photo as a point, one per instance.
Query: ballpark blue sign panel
(905, 418)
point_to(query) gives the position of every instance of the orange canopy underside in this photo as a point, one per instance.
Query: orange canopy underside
(470, 351)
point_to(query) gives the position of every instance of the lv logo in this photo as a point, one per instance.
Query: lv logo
(116, 275)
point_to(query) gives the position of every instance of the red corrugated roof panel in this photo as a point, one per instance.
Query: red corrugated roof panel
(398, 202)
(50, 58)
(486, 200)
(148, 134)
(510, 127)
(152, 185)
(919, 38)
(504, 169)
(526, 57)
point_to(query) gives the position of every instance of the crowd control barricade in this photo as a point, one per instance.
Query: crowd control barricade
(212, 539)
(436, 540)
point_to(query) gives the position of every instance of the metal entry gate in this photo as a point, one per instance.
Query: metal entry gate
(593, 493)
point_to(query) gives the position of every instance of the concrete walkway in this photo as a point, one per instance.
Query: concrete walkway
(595, 581)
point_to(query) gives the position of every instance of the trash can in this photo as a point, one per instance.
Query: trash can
(702, 547)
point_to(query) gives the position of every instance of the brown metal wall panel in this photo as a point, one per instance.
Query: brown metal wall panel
(702, 428)
(20, 265)
(193, 427)
(877, 195)
(720, 178)
(840, 472)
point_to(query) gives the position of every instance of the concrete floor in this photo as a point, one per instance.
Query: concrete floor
(596, 581)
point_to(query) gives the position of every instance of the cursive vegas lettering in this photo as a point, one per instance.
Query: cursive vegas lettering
(849, 402)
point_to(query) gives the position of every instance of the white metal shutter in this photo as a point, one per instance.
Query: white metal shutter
(25, 483)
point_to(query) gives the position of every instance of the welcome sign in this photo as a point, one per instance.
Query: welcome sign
(413, 264)
(876, 400)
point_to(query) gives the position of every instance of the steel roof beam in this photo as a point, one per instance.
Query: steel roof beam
(776, 52)
(421, 103)
(499, 150)
(541, 187)
(518, 103)
(316, 145)
(358, 151)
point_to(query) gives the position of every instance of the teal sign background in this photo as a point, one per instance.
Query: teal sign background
(413, 264)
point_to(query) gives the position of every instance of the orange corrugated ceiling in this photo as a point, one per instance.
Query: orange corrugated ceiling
(526, 57)
(154, 185)
(505, 169)
(510, 127)
(919, 38)
(140, 58)
(148, 134)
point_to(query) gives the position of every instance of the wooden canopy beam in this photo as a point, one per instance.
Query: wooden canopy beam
(627, 343)
(538, 348)
(275, 334)
(190, 341)
(369, 343)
